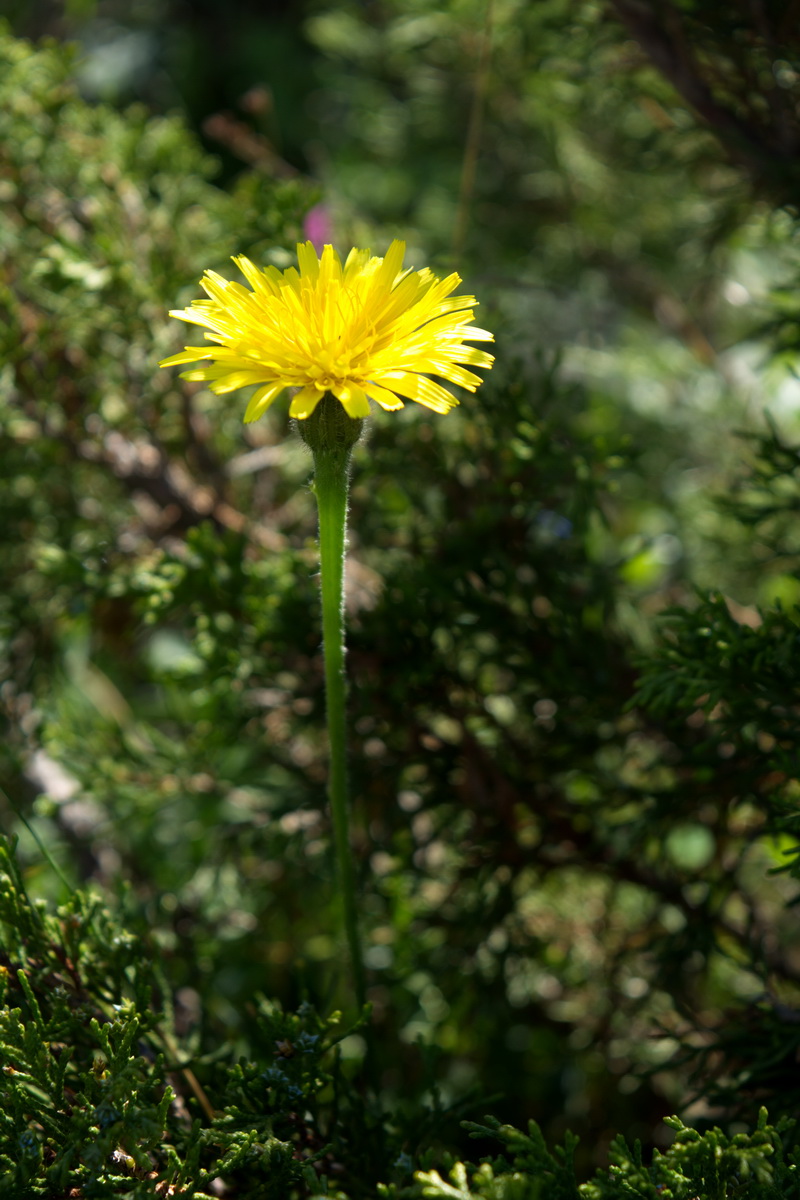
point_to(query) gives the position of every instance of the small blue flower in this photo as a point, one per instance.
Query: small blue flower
(307, 1043)
(29, 1144)
(553, 525)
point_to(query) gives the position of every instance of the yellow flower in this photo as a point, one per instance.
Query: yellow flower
(365, 330)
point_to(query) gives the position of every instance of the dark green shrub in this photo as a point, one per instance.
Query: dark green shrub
(100, 1097)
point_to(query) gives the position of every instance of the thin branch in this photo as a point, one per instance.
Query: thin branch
(660, 33)
(474, 129)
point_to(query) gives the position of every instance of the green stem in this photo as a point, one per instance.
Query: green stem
(331, 434)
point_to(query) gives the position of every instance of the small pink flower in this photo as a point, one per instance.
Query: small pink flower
(318, 226)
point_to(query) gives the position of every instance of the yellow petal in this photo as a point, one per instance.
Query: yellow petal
(353, 400)
(190, 354)
(305, 402)
(307, 260)
(261, 400)
(232, 380)
(355, 263)
(387, 400)
(423, 390)
(329, 267)
(391, 266)
(198, 375)
(193, 315)
(260, 281)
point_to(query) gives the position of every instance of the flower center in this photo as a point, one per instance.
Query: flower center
(329, 367)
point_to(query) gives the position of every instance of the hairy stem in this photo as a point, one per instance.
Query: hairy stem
(331, 434)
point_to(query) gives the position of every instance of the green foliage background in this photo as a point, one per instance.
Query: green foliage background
(576, 814)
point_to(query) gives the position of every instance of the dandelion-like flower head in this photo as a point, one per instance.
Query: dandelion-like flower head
(365, 330)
